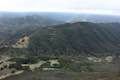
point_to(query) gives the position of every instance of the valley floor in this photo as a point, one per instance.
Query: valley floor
(65, 75)
(62, 68)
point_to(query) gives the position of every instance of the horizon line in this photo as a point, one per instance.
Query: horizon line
(97, 12)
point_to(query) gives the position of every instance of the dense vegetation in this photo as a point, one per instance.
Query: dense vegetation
(77, 38)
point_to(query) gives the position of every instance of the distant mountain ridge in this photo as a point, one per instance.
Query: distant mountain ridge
(95, 18)
(66, 16)
(10, 25)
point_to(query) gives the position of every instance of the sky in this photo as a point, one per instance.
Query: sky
(85, 6)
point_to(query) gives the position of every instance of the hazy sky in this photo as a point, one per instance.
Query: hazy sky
(92, 6)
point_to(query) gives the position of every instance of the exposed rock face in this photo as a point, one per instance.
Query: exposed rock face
(22, 43)
(107, 59)
(94, 59)
(52, 62)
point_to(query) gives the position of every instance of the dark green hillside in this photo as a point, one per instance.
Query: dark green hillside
(77, 38)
